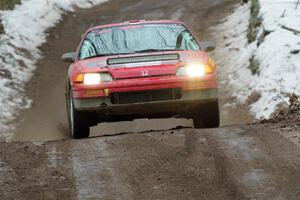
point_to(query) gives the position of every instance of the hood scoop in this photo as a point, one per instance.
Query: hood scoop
(142, 59)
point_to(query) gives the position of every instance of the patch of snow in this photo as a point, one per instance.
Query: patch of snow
(52, 158)
(233, 52)
(279, 71)
(278, 55)
(25, 30)
(277, 13)
(87, 186)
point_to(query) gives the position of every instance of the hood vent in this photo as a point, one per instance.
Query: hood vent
(142, 59)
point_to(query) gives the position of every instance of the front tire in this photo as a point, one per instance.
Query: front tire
(78, 121)
(207, 116)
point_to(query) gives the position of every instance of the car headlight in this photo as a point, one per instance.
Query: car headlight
(96, 78)
(93, 78)
(193, 71)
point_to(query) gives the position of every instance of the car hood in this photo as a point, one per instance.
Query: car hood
(142, 65)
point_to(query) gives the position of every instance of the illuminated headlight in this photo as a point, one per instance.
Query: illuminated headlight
(193, 71)
(96, 78)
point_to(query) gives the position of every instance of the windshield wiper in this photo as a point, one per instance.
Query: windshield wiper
(95, 56)
(141, 51)
(157, 50)
(110, 54)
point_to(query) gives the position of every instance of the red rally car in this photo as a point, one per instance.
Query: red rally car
(140, 69)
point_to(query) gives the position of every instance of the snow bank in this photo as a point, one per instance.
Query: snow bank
(278, 55)
(279, 63)
(233, 52)
(25, 30)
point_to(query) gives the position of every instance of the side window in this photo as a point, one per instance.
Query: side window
(186, 40)
(87, 49)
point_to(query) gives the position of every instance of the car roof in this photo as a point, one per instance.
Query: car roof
(136, 22)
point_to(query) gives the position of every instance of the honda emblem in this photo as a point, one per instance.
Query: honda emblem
(145, 73)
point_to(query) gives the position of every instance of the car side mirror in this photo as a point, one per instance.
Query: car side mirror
(208, 46)
(69, 57)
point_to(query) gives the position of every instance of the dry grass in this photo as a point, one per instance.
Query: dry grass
(254, 21)
(8, 4)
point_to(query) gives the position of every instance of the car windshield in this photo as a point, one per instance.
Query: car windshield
(137, 39)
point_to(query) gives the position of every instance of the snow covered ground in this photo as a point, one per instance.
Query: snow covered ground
(276, 50)
(25, 30)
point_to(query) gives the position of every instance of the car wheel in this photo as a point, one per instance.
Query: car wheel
(78, 122)
(207, 116)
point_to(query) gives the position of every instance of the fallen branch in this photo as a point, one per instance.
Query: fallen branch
(291, 29)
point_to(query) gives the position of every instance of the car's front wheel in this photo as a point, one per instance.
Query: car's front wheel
(207, 115)
(78, 122)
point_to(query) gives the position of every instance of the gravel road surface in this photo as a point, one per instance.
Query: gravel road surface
(237, 162)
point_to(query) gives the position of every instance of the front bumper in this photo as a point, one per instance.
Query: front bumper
(106, 107)
(207, 82)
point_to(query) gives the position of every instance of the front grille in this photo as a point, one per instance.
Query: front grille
(145, 96)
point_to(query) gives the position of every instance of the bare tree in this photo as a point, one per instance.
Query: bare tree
(297, 3)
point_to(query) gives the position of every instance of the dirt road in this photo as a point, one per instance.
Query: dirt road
(239, 162)
(46, 120)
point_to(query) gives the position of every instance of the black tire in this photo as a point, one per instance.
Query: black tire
(207, 116)
(78, 121)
